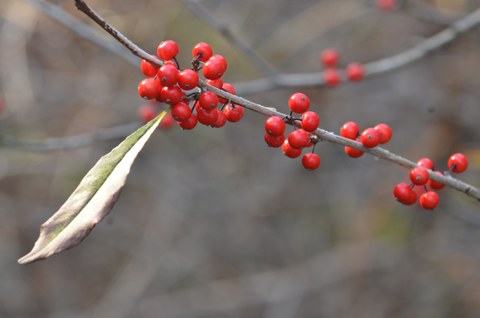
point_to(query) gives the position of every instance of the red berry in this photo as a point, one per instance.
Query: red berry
(419, 176)
(353, 152)
(370, 138)
(233, 112)
(190, 123)
(330, 58)
(299, 103)
(310, 161)
(167, 50)
(275, 126)
(229, 88)
(221, 119)
(181, 112)
(404, 194)
(384, 132)
(218, 83)
(299, 139)
(147, 112)
(435, 184)
(203, 51)
(206, 117)
(289, 151)
(310, 121)
(429, 200)
(426, 163)
(274, 142)
(386, 5)
(208, 100)
(355, 72)
(147, 88)
(167, 122)
(148, 69)
(457, 163)
(188, 79)
(171, 95)
(331, 77)
(167, 75)
(215, 67)
(350, 130)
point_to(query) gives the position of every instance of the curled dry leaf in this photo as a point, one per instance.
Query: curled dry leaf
(92, 200)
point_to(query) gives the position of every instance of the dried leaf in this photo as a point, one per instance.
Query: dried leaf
(92, 200)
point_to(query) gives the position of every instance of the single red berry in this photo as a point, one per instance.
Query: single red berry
(167, 122)
(426, 163)
(331, 77)
(233, 112)
(215, 67)
(190, 123)
(384, 132)
(218, 83)
(299, 103)
(386, 5)
(310, 161)
(208, 100)
(310, 121)
(275, 126)
(206, 117)
(221, 119)
(147, 112)
(353, 152)
(330, 58)
(419, 175)
(147, 88)
(429, 200)
(203, 51)
(188, 79)
(167, 50)
(289, 151)
(167, 75)
(435, 184)
(355, 72)
(274, 142)
(181, 112)
(370, 138)
(148, 69)
(299, 139)
(171, 95)
(350, 130)
(457, 163)
(404, 194)
(229, 88)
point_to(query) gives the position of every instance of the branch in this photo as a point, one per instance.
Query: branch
(321, 133)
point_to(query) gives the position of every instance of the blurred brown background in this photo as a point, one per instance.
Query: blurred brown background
(213, 223)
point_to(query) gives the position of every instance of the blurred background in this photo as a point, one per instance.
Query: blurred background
(212, 222)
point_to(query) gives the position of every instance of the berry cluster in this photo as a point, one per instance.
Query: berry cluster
(370, 137)
(298, 139)
(419, 177)
(330, 59)
(177, 88)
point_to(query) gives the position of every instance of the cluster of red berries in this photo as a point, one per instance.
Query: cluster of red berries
(298, 139)
(370, 137)
(419, 177)
(330, 59)
(179, 88)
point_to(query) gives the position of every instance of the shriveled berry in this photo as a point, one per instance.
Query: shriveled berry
(310, 161)
(331, 77)
(384, 132)
(167, 50)
(435, 184)
(190, 123)
(203, 51)
(330, 58)
(229, 88)
(457, 163)
(299, 139)
(289, 151)
(233, 112)
(299, 103)
(181, 112)
(171, 95)
(208, 100)
(419, 175)
(274, 142)
(429, 200)
(350, 130)
(404, 194)
(148, 69)
(221, 119)
(426, 163)
(147, 112)
(355, 72)
(187, 79)
(370, 138)
(147, 88)
(275, 126)
(310, 121)
(167, 75)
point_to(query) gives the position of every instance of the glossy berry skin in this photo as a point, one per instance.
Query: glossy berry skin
(203, 51)
(274, 142)
(426, 163)
(355, 72)
(167, 122)
(233, 112)
(310, 121)
(208, 100)
(206, 117)
(167, 50)
(228, 88)
(370, 138)
(350, 130)
(148, 89)
(221, 119)
(218, 83)
(167, 75)
(299, 139)
(353, 153)
(331, 77)
(147, 112)
(187, 79)
(457, 163)
(171, 95)
(310, 161)
(181, 112)
(275, 126)
(299, 103)
(148, 69)
(429, 200)
(289, 151)
(419, 176)
(215, 67)
(189, 124)
(384, 132)
(404, 194)
(435, 184)
(330, 58)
